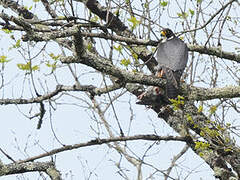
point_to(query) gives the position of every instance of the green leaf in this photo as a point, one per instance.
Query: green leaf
(23, 66)
(53, 66)
(135, 56)
(228, 125)
(117, 12)
(18, 43)
(3, 59)
(54, 57)
(118, 48)
(228, 150)
(146, 4)
(134, 22)
(61, 17)
(192, 12)
(180, 100)
(125, 62)
(189, 118)
(7, 31)
(94, 18)
(177, 103)
(202, 145)
(89, 46)
(153, 49)
(36, 67)
(213, 109)
(163, 3)
(200, 109)
(36, 1)
(27, 67)
(183, 15)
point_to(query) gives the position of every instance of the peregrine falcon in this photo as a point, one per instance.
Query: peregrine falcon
(172, 56)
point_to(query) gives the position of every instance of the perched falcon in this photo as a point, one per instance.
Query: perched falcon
(172, 56)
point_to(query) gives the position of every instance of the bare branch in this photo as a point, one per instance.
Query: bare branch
(150, 137)
(60, 88)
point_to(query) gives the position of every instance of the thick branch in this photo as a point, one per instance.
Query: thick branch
(17, 168)
(202, 94)
(193, 93)
(132, 40)
(215, 52)
(103, 65)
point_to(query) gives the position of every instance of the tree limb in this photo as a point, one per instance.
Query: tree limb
(18, 168)
(214, 51)
(20, 10)
(60, 88)
(150, 137)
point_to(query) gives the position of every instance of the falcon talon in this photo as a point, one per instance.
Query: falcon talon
(141, 96)
(160, 73)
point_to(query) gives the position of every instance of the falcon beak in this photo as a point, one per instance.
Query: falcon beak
(163, 33)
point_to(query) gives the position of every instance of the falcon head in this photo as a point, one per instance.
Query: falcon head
(167, 33)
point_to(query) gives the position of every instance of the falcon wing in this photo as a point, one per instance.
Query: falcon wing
(172, 57)
(172, 54)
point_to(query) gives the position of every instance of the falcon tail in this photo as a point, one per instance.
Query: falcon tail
(171, 91)
(172, 85)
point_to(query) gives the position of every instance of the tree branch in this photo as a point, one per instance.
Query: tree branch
(91, 89)
(214, 51)
(20, 10)
(103, 65)
(17, 168)
(49, 9)
(150, 137)
(202, 94)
